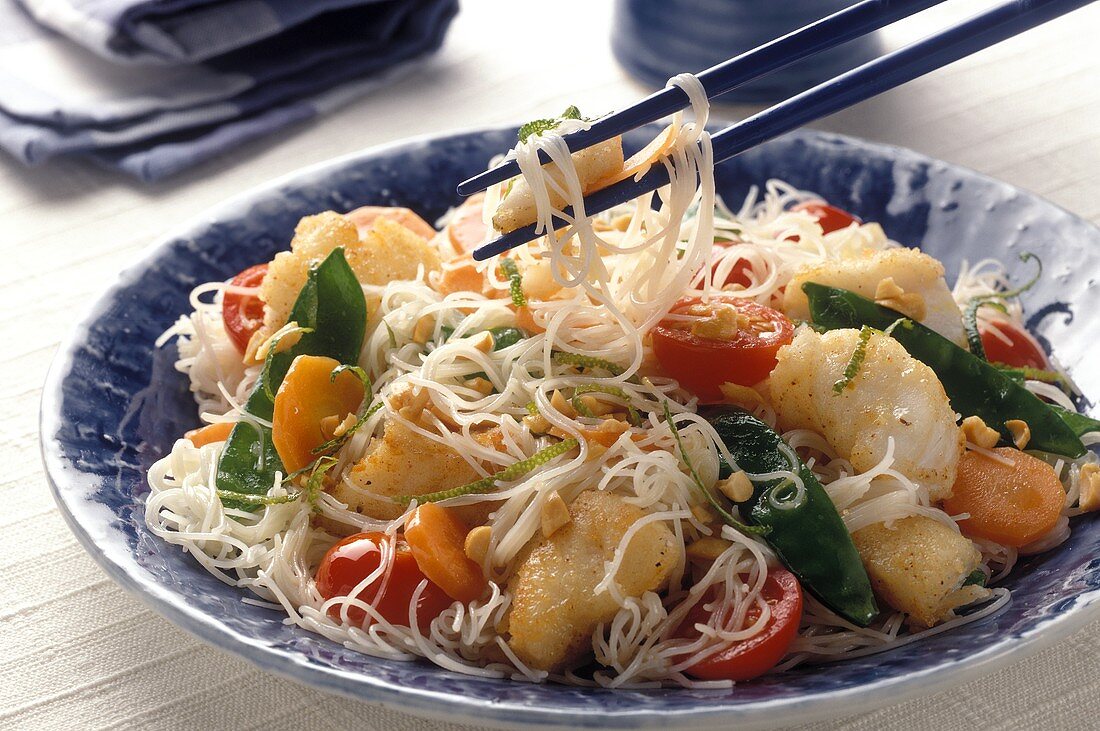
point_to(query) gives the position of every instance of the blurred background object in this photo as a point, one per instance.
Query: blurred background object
(151, 88)
(657, 39)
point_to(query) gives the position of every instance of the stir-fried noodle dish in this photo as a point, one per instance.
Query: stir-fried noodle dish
(684, 442)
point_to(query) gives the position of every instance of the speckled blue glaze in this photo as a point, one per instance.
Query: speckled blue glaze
(103, 424)
(656, 39)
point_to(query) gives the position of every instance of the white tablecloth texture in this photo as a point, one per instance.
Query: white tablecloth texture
(76, 652)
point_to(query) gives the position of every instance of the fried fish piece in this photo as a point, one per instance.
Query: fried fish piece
(918, 567)
(924, 294)
(387, 252)
(891, 395)
(554, 608)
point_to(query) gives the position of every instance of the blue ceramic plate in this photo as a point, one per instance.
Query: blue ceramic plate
(113, 404)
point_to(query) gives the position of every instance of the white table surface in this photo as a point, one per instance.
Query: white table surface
(77, 652)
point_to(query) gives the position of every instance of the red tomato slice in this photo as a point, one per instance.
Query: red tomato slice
(702, 363)
(757, 655)
(1021, 350)
(244, 313)
(353, 559)
(830, 218)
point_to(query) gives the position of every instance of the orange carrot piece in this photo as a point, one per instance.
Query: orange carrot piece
(525, 320)
(467, 229)
(306, 398)
(210, 433)
(436, 538)
(460, 275)
(1013, 504)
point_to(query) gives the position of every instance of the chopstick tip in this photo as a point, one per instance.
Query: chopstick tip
(468, 187)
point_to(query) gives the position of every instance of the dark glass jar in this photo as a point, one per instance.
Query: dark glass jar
(657, 39)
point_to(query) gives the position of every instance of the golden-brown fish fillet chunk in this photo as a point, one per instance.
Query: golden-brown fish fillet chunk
(912, 270)
(892, 395)
(554, 608)
(592, 164)
(404, 463)
(917, 567)
(387, 252)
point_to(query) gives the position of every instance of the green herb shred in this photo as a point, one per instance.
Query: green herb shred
(995, 300)
(316, 479)
(539, 126)
(368, 396)
(516, 280)
(336, 442)
(360, 374)
(1027, 373)
(519, 469)
(244, 497)
(854, 363)
(586, 361)
(970, 323)
(316, 470)
(600, 388)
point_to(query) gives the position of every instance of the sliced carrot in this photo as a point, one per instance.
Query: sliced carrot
(307, 402)
(364, 218)
(460, 275)
(1015, 502)
(467, 229)
(641, 160)
(525, 320)
(437, 538)
(210, 433)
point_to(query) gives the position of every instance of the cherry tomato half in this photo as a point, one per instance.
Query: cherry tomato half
(353, 559)
(1021, 350)
(693, 347)
(244, 313)
(757, 655)
(830, 218)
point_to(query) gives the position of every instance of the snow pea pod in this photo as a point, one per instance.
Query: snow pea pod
(809, 537)
(974, 387)
(504, 336)
(332, 306)
(1081, 424)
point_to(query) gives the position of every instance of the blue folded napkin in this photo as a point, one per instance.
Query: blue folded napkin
(150, 87)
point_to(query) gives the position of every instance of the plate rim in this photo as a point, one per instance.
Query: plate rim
(445, 706)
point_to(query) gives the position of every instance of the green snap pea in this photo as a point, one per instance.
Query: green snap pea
(809, 537)
(505, 336)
